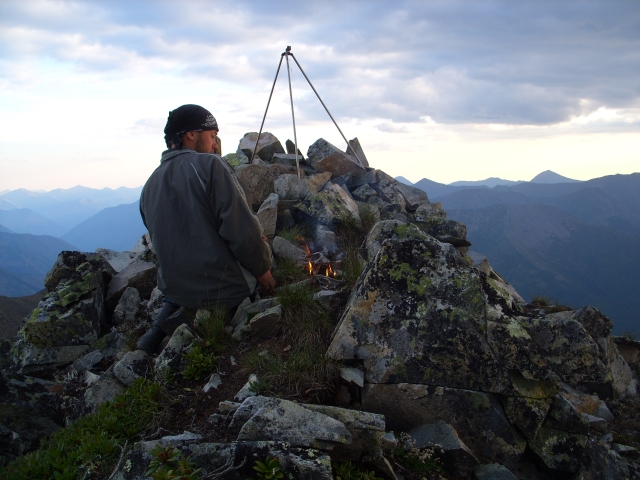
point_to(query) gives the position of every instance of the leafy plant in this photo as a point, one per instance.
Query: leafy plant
(200, 362)
(417, 459)
(348, 471)
(171, 464)
(234, 159)
(258, 386)
(269, 469)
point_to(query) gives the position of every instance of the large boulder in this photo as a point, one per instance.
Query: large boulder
(329, 206)
(257, 181)
(267, 146)
(421, 318)
(325, 157)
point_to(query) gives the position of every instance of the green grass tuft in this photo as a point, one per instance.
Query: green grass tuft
(92, 445)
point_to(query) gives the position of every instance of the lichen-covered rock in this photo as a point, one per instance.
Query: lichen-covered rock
(132, 366)
(29, 410)
(320, 149)
(68, 262)
(267, 146)
(478, 417)
(367, 430)
(420, 314)
(283, 420)
(329, 206)
(364, 193)
(559, 450)
(127, 307)
(118, 260)
(573, 354)
(448, 231)
(171, 359)
(454, 454)
(527, 414)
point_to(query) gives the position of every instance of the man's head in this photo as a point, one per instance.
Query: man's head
(193, 127)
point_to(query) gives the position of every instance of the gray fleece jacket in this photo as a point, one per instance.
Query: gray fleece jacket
(206, 236)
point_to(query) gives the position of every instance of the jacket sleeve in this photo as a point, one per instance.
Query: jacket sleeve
(237, 224)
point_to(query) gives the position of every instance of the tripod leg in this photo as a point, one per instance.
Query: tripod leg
(293, 116)
(266, 110)
(325, 107)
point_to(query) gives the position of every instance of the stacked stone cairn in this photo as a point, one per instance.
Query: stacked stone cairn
(434, 343)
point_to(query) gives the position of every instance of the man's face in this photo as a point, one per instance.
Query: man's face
(205, 142)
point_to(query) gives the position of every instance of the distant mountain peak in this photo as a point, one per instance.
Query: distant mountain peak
(487, 182)
(401, 179)
(551, 177)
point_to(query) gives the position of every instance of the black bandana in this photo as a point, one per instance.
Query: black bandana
(187, 118)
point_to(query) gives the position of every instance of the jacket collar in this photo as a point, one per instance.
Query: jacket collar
(174, 152)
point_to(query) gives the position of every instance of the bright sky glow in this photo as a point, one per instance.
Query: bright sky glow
(444, 90)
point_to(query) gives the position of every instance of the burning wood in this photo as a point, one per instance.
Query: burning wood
(317, 264)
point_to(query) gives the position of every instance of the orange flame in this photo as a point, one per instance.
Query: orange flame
(310, 267)
(330, 272)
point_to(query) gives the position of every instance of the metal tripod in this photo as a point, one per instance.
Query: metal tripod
(286, 54)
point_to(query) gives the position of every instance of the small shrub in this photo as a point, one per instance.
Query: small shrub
(209, 325)
(368, 217)
(200, 362)
(269, 469)
(348, 471)
(171, 464)
(540, 301)
(417, 459)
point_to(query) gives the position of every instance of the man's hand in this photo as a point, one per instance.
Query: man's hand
(267, 281)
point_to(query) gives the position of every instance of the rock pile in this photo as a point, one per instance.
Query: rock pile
(433, 342)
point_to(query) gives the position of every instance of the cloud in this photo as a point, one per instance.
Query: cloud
(520, 63)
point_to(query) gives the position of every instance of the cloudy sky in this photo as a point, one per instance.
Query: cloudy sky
(444, 90)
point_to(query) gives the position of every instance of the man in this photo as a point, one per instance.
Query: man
(207, 239)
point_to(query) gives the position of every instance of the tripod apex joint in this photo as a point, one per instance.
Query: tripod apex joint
(287, 53)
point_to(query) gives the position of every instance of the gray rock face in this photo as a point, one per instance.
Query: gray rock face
(132, 366)
(268, 215)
(263, 325)
(355, 150)
(325, 157)
(141, 275)
(329, 206)
(127, 307)
(257, 181)
(172, 356)
(288, 159)
(284, 249)
(267, 146)
(104, 388)
(414, 197)
(320, 149)
(247, 308)
(456, 456)
(317, 182)
(290, 187)
(292, 423)
(117, 260)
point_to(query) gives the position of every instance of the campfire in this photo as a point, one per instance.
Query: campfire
(319, 266)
